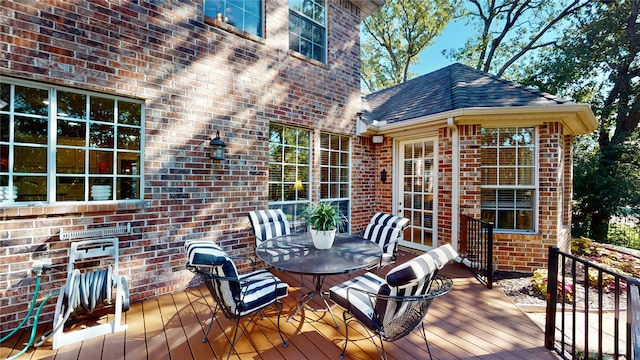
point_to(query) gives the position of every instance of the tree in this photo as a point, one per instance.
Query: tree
(508, 30)
(395, 35)
(599, 63)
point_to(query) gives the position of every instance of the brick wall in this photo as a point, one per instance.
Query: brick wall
(196, 78)
(514, 252)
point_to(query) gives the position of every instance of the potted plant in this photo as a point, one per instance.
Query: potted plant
(324, 219)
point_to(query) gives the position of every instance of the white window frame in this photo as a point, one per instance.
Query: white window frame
(535, 187)
(51, 146)
(329, 166)
(294, 12)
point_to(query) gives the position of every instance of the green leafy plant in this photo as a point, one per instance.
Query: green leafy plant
(540, 280)
(324, 216)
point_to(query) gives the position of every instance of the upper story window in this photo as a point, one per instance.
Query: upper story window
(59, 144)
(508, 178)
(246, 15)
(308, 28)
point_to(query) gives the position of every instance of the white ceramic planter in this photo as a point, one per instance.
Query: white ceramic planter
(323, 239)
(101, 192)
(8, 193)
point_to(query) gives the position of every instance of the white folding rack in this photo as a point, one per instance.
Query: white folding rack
(100, 247)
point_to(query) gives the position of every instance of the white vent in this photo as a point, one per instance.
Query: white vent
(94, 233)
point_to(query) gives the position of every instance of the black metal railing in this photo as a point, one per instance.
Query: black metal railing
(476, 248)
(592, 312)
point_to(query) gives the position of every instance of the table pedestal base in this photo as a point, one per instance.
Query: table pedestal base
(318, 280)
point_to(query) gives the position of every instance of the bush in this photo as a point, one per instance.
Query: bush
(540, 280)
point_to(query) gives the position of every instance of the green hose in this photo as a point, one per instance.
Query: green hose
(34, 326)
(33, 305)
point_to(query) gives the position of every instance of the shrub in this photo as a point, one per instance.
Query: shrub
(540, 280)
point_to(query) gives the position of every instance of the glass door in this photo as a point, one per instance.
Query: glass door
(417, 193)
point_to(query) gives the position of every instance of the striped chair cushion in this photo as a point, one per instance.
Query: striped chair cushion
(389, 220)
(268, 224)
(358, 303)
(409, 279)
(443, 254)
(240, 294)
(382, 235)
(383, 229)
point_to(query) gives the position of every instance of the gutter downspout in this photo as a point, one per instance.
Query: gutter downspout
(455, 182)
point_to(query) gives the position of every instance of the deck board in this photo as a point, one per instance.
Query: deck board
(469, 322)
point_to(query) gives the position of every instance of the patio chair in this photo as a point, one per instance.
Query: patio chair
(393, 307)
(386, 230)
(237, 296)
(268, 224)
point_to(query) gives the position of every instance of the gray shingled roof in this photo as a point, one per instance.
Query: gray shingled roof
(451, 88)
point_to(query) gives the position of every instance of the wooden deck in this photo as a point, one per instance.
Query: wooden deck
(469, 322)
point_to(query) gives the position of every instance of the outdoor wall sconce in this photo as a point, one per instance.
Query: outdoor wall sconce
(383, 175)
(217, 147)
(377, 139)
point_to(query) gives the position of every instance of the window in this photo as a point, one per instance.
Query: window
(307, 28)
(508, 177)
(289, 170)
(246, 15)
(60, 144)
(334, 171)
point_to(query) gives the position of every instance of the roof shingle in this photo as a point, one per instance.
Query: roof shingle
(453, 87)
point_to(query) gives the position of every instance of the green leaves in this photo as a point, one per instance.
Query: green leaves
(395, 35)
(324, 216)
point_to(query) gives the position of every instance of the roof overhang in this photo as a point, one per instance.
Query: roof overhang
(368, 7)
(576, 118)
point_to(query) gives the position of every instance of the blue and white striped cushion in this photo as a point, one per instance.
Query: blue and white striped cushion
(250, 292)
(443, 254)
(358, 303)
(268, 224)
(389, 220)
(382, 235)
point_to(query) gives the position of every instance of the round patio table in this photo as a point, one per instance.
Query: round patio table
(296, 253)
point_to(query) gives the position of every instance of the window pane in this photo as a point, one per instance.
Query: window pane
(489, 176)
(525, 156)
(101, 109)
(100, 162)
(129, 113)
(70, 161)
(101, 136)
(507, 156)
(128, 138)
(71, 132)
(31, 188)
(275, 173)
(72, 105)
(30, 159)
(30, 130)
(70, 188)
(525, 176)
(4, 127)
(31, 101)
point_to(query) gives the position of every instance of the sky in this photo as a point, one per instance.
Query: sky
(453, 36)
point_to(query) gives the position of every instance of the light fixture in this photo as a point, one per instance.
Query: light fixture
(383, 175)
(377, 139)
(217, 147)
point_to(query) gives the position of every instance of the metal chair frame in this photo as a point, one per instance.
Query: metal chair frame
(400, 326)
(214, 283)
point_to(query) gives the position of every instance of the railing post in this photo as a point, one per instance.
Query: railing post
(490, 255)
(552, 297)
(633, 317)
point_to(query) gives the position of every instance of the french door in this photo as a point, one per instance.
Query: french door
(417, 192)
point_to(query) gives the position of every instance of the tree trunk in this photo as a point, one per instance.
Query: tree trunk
(600, 226)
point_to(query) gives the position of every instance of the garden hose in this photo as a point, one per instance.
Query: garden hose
(84, 291)
(34, 326)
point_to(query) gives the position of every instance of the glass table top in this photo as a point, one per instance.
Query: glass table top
(296, 253)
